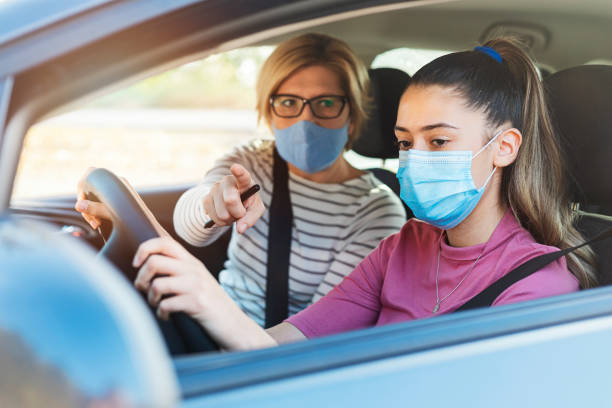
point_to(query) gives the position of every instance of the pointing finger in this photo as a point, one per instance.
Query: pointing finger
(243, 178)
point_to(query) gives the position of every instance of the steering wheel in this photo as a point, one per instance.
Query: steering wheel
(131, 227)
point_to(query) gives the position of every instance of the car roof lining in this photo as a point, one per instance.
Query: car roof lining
(463, 28)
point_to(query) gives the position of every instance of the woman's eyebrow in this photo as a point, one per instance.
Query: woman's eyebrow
(428, 127)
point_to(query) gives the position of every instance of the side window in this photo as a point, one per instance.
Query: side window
(166, 129)
(408, 60)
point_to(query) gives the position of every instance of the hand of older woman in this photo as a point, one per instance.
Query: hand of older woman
(223, 204)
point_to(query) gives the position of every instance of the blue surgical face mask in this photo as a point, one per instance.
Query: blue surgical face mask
(438, 186)
(310, 147)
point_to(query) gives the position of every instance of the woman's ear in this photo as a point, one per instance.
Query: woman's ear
(509, 142)
(351, 127)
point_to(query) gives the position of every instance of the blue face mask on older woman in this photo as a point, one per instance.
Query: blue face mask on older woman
(310, 147)
(438, 186)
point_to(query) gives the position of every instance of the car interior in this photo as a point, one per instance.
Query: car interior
(567, 39)
(583, 133)
(132, 223)
(576, 123)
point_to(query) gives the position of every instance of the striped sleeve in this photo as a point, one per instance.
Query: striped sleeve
(189, 215)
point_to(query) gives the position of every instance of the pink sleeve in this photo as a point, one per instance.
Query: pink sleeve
(554, 279)
(354, 303)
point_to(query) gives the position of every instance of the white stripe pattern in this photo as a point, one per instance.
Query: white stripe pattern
(334, 227)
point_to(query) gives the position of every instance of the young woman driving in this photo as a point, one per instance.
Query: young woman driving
(479, 166)
(312, 92)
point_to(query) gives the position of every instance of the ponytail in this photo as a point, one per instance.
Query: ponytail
(535, 184)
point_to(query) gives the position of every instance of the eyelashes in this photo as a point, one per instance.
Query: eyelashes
(403, 144)
(407, 144)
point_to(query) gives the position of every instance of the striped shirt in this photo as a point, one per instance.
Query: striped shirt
(334, 227)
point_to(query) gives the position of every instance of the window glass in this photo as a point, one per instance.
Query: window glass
(166, 129)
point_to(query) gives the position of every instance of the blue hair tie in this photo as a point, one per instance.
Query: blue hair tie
(490, 52)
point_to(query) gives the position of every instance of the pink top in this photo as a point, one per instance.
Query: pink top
(396, 282)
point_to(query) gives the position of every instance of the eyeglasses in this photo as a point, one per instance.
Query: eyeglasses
(323, 107)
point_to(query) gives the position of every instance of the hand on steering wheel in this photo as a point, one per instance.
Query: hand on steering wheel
(133, 224)
(95, 212)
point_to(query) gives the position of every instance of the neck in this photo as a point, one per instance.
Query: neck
(478, 227)
(338, 172)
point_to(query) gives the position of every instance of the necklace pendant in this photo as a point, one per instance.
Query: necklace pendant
(436, 308)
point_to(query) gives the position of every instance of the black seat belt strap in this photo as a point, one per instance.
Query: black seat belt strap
(279, 245)
(488, 295)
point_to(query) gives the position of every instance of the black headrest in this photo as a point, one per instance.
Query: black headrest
(378, 138)
(581, 105)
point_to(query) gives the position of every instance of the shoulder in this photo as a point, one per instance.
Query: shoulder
(260, 150)
(256, 156)
(372, 192)
(517, 246)
(414, 233)
(512, 245)
(373, 209)
(551, 280)
(420, 232)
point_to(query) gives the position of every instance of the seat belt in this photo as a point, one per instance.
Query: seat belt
(489, 294)
(279, 245)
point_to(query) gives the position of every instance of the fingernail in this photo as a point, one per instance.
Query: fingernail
(241, 227)
(82, 205)
(135, 261)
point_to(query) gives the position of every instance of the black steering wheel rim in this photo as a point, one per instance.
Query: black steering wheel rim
(131, 227)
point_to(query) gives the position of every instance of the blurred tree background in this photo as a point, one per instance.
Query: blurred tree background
(223, 80)
(166, 129)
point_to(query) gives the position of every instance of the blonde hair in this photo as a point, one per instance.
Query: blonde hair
(534, 186)
(316, 49)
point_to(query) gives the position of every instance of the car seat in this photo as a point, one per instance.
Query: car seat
(378, 137)
(580, 99)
